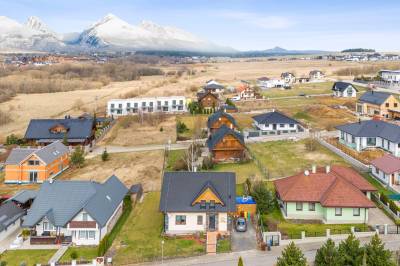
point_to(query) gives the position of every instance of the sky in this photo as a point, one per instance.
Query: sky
(242, 24)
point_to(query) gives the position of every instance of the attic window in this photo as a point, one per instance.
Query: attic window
(202, 204)
(212, 204)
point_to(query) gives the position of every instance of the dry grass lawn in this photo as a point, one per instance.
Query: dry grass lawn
(131, 168)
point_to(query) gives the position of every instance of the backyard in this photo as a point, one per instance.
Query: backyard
(83, 254)
(29, 257)
(140, 238)
(285, 158)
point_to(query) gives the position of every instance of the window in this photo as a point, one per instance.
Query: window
(212, 204)
(371, 141)
(112, 105)
(338, 211)
(151, 104)
(395, 104)
(180, 102)
(135, 105)
(158, 103)
(92, 235)
(342, 135)
(128, 105)
(199, 219)
(120, 105)
(173, 102)
(33, 162)
(282, 125)
(353, 139)
(84, 217)
(48, 226)
(202, 204)
(143, 104)
(387, 104)
(311, 206)
(356, 212)
(299, 206)
(291, 125)
(180, 219)
(33, 176)
(82, 234)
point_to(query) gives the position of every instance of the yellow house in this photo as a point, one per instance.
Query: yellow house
(35, 165)
(377, 103)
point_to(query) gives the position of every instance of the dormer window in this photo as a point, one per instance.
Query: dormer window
(203, 204)
(212, 204)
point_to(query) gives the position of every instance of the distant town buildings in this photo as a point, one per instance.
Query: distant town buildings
(392, 76)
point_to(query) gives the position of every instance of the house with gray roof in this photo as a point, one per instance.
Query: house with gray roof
(371, 134)
(344, 89)
(10, 219)
(77, 131)
(226, 144)
(378, 103)
(219, 118)
(276, 123)
(81, 212)
(36, 164)
(195, 202)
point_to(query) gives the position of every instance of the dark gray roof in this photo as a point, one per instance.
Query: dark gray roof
(227, 107)
(218, 135)
(213, 86)
(60, 201)
(180, 189)
(373, 128)
(47, 153)
(136, 188)
(274, 118)
(215, 116)
(78, 128)
(374, 97)
(342, 86)
(24, 196)
(9, 213)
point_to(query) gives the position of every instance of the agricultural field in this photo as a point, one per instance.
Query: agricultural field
(285, 158)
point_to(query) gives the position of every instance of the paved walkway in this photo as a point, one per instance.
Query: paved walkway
(212, 242)
(60, 252)
(5, 243)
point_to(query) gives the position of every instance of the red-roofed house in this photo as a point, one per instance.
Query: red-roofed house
(387, 170)
(333, 195)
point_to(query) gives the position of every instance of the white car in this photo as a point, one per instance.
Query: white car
(235, 99)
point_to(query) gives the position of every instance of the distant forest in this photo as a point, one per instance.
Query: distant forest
(359, 50)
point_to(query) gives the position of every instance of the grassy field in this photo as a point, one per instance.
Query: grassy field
(242, 170)
(84, 253)
(140, 238)
(191, 122)
(285, 158)
(29, 257)
(224, 245)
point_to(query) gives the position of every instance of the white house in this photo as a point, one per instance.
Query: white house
(266, 83)
(316, 75)
(170, 104)
(81, 212)
(288, 77)
(392, 76)
(195, 202)
(387, 170)
(371, 134)
(344, 89)
(275, 122)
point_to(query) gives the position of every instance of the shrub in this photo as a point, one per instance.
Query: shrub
(13, 140)
(77, 157)
(328, 254)
(311, 144)
(208, 163)
(351, 251)
(179, 165)
(74, 255)
(161, 129)
(181, 127)
(292, 255)
(393, 206)
(377, 254)
(105, 156)
(384, 198)
(264, 197)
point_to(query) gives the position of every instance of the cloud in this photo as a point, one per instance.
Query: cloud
(254, 19)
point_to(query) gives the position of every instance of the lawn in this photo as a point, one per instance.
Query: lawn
(381, 189)
(191, 122)
(84, 253)
(140, 238)
(172, 158)
(223, 245)
(285, 158)
(30, 257)
(242, 170)
(306, 88)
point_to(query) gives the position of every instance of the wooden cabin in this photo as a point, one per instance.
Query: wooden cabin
(208, 100)
(226, 145)
(217, 119)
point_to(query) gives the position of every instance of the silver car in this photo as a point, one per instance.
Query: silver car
(241, 225)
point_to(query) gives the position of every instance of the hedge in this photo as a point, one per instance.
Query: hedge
(108, 239)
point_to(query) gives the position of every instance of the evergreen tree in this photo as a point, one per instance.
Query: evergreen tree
(328, 255)
(240, 262)
(65, 139)
(77, 157)
(105, 156)
(351, 251)
(376, 253)
(292, 256)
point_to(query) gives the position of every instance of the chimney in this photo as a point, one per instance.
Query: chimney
(314, 169)
(306, 173)
(328, 169)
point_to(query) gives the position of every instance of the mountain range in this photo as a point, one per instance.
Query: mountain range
(114, 34)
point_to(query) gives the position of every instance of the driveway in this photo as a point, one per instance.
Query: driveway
(242, 241)
(377, 216)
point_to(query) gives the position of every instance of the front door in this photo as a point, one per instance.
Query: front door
(393, 180)
(211, 222)
(33, 177)
(274, 126)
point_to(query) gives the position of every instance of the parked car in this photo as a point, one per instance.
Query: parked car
(241, 224)
(235, 99)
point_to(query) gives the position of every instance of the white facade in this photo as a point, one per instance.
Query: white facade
(189, 222)
(388, 179)
(288, 78)
(390, 75)
(278, 128)
(80, 236)
(349, 92)
(172, 104)
(316, 75)
(10, 229)
(361, 143)
(272, 83)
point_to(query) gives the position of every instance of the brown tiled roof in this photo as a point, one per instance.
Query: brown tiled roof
(82, 224)
(387, 163)
(341, 187)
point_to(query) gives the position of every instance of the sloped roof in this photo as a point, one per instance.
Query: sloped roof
(263, 79)
(218, 135)
(179, 190)
(47, 153)
(78, 128)
(9, 213)
(274, 118)
(213, 86)
(387, 163)
(373, 128)
(342, 86)
(341, 187)
(215, 116)
(374, 97)
(201, 95)
(209, 185)
(61, 200)
(23, 196)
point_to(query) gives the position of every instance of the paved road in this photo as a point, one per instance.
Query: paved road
(263, 258)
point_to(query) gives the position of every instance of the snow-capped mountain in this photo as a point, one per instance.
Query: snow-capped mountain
(34, 35)
(109, 33)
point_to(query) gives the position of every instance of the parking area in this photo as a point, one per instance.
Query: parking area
(377, 217)
(242, 241)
